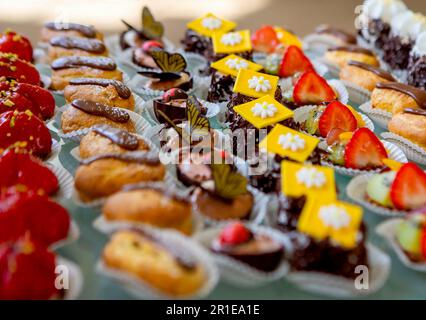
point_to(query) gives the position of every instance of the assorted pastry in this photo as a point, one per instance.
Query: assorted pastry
(410, 124)
(411, 237)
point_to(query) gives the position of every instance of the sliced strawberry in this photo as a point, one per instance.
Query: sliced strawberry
(336, 116)
(265, 39)
(294, 61)
(334, 136)
(423, 243)
(11, 42)
(364, 150)
(408, 190)
(235, 233)
(312, 89)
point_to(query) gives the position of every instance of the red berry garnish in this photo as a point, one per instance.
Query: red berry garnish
(265, 39)
(337, 116)
(235, 233)
(294, 61)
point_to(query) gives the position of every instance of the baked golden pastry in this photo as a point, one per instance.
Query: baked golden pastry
(86, 114)
(410, 124)
(165, 266)
(364, 75)
(104, 139)
(53, 29)
(61, 46)
(66, 68)
(341, 55)
(394, 97)
(151, 204)
(103, 175)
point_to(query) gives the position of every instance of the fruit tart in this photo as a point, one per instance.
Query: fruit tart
(23, 96)
(12, 67)
(411, 237)
(256, 250)
(159, 263)
(25, 211)
(33, 274)
(172, 73)
(225, 196)
(401, 188)
(154, 204)
(104, 91)
(25, 131)
(20, 168)
(394, 97)
(12, 42)
(69, 29)
(104, 139)
(103, 175)
(61, 46)
(81, 114)
(65, 69)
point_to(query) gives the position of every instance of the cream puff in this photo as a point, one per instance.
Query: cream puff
(394, 97)
(61, 46)
(66, 68)
(364, 75)
(103, 175)
(410, 124)
(104, 91)
(82, 114)
(104, 139)
(53, 29)
(341, 55)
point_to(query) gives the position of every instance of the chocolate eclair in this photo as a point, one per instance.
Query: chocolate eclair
(341, 55)
(411, 125)
(75, 46)
(105, 139)
(86, 114)
(104, 91)
(394, 97)
(364, 75)
(53, 29)
(69, 67)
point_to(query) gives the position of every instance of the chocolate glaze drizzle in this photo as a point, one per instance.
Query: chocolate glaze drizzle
(122, 90)
(122, 138)
(102, 63)
(342, 35)
(141, 157)
(377, 71)
(89, 45)
(87, 31)
(354, 49)
(98, 109)
(418, 112)
(417, 94)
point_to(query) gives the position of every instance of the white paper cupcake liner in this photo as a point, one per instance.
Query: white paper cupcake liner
(55, 149)
(333, 68)
(301, 114)
(320, 67)
(381, 117)
(241, 274)
(138, 82)
(73, 235)
(46, 81)
(387, 230)
(394, 153)
(413, 151)
(142, 289)
(356, 190)
(257, 215)
(66, 182)
(340, 287)
(75, 277)
(356, 93)
(140, 124)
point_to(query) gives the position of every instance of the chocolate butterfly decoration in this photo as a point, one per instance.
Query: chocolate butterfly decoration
(228, 183)
(151, 29)
(170, 64)
(198, 124)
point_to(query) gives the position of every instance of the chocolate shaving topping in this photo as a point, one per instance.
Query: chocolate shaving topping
(122, 138)
(87, 31)
(354, 49)
(122, 90)
(89, 45)
(342, 35)
(141, 157)
(418, 112)
(368, 67)
(417, 94)
(98, 109)
(102, 63)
